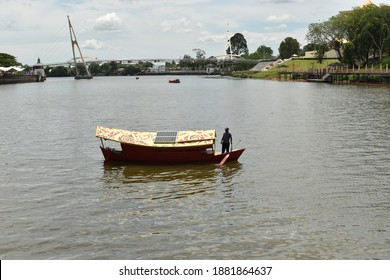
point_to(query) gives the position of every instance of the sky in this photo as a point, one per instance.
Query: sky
(154, 29)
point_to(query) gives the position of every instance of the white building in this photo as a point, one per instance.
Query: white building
(38, 69)
(158, 67)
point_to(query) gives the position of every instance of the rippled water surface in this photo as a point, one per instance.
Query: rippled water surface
(313, 183)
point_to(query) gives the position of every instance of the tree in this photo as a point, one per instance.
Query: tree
(105, 69)
(59, 71)
(145, 64)
(170, 65)
(376, 24)
(7, 60)
(349, 54)
(186, 62)
(238, 45)
(200, 54)
(309, 47)
(264, 51)
(363, 33)
(94, 68)
(132, 69)
(288, 47)
(331, 33)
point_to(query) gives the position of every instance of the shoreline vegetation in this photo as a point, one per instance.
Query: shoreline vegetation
(296, 69)
(298, 65)
(299, 69)
(310, 69)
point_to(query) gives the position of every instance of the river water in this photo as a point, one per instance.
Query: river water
(313, 182)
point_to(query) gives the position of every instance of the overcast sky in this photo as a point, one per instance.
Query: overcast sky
(134, 29)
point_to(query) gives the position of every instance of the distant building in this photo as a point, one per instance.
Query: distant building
(158, 67)
(332, 54)
(364, 4)
(38, 69)
(310, 54)
(128, 62)
(210, 69)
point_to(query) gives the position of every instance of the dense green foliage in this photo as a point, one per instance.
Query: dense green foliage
(262, 52)
(7, 60)
(289, 47)
(59, 71)
(358, 36)
(238, 45)
(105, 69)
(200, 54)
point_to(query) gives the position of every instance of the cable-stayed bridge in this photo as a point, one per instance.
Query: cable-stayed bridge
(93, 59)
(89, 60)
(74, 61)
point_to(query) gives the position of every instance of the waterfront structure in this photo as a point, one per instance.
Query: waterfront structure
(10, 75)
(39, 71)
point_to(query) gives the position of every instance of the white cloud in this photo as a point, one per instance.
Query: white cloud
(282, 26)
(284, 17)
(93, 45)
(180, 25)
(276, 27)
(109, 21)
(206, 36)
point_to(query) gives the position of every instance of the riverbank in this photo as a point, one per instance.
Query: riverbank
(293, 65)
(329, 71)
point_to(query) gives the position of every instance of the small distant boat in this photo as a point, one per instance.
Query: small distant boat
(164, 147)
(175, 81)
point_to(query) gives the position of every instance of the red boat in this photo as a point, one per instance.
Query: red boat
(175, 81)
(164, 147)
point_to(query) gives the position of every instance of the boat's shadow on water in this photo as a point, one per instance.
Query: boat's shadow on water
(170, 182)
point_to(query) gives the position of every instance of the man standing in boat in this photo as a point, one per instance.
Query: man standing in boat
(227, 139)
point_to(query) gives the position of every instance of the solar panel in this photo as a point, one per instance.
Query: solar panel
(165, 137)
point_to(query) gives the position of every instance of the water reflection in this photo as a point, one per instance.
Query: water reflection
(166, 182)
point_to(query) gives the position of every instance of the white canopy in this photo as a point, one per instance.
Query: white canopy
(16, 68)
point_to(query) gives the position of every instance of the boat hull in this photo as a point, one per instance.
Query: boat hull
(148, 155)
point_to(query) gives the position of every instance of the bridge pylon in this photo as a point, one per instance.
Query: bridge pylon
(74, 42)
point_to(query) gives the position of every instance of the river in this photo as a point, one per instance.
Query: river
(313, 182)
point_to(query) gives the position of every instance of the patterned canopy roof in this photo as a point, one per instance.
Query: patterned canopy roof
(184, 138)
